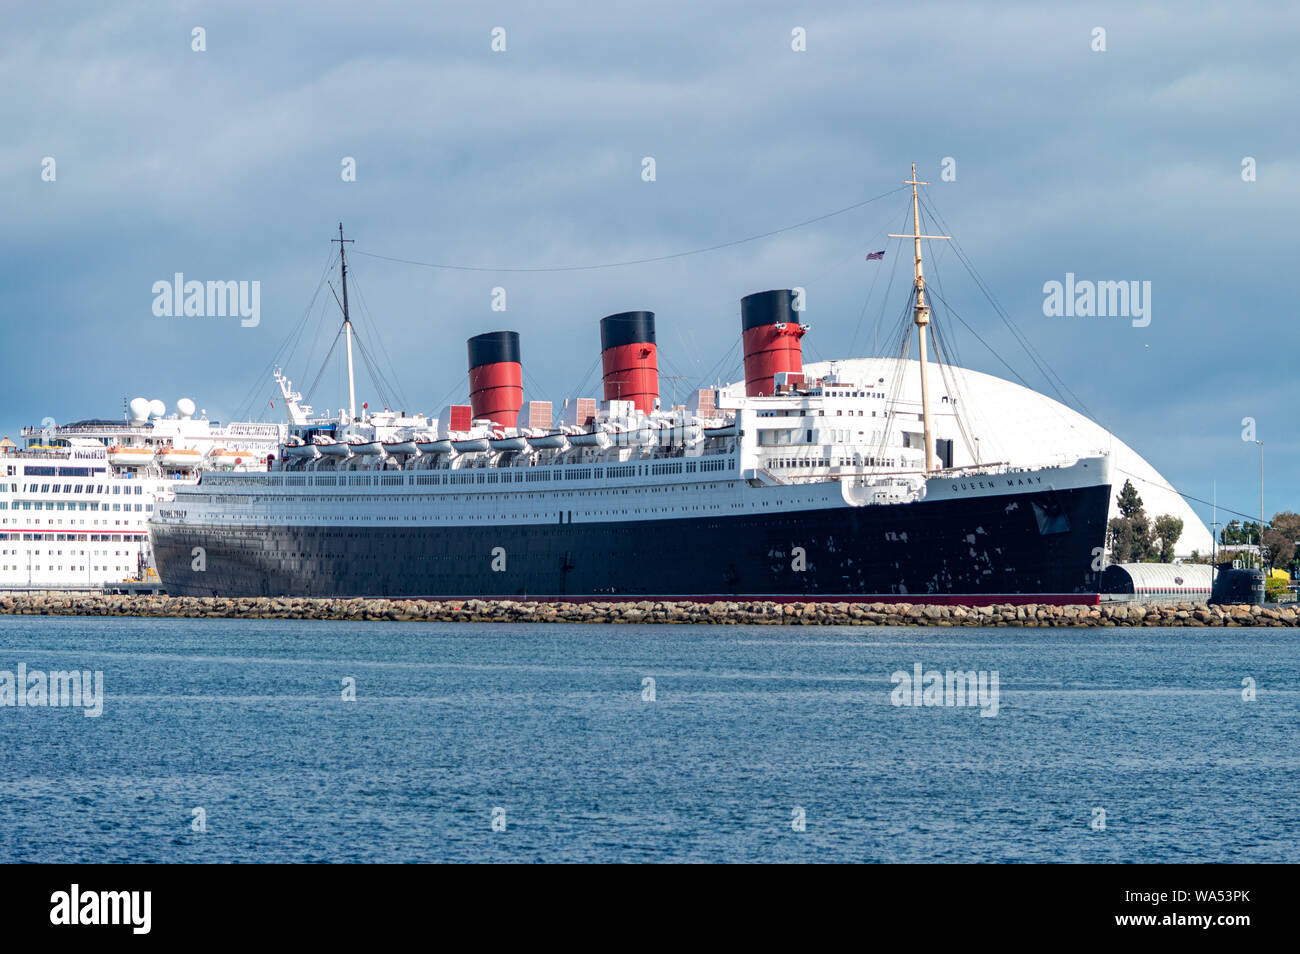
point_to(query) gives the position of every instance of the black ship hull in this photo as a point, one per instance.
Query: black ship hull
(1029, 547)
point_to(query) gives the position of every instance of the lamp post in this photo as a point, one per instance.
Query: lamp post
(1261, 504)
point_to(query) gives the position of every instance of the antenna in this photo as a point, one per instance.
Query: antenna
(347, 322)
(921, 313)
(674, 378)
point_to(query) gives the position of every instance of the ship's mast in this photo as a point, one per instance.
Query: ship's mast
(347, 323)
(921, 314)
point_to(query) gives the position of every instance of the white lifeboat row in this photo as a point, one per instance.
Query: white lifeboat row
(606, 434)
(177, 458)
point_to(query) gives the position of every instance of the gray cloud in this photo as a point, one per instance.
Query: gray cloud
(225, 164)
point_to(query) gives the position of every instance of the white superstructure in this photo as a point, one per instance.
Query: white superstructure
(75, 499)
(1000, 420)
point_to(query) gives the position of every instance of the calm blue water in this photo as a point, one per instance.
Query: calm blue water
(245, 719)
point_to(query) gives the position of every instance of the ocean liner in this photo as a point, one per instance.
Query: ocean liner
(804, 486)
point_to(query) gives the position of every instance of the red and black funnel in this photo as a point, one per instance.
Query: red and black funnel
(496, 383)
(629, 359)
(771, 332)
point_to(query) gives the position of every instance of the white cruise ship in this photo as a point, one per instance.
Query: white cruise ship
(75, 499)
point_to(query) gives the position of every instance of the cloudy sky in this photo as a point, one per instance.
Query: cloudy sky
(226, 164)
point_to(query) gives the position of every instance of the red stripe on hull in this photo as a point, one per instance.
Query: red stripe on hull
(954, 599)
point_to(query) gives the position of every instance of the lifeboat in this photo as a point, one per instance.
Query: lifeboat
(180, 458)
(470, 445)
(225, 457)
(434, 447)
(557, 441)
(333, 448)
(519, 443)
(125, 456)
(728, 431)
(401, 447)
(366, 447)
(591, 439)
(301, 450)
(679, 434)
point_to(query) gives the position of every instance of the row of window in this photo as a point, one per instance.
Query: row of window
(117, 553)
(70, 488)
(45, 471)
(120, 568)
(779, 437)
(72, 505)
(482, 475)
(386, 499)
(857, 460)
(82, 537)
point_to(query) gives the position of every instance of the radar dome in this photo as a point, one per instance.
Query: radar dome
(185, 407)
(157, 408)
(139, 409)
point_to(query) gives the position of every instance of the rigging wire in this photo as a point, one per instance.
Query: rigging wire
(535, 386)
(950, 362)
(324, 365)
(303, 324)
(586, 378)
(1254, 517)
(1044, 367)
(725, 361)
(394, 383)
(948, 374)
(992, 350)
(893, 271)
(1053, 406)
(902, 348)
(246, 407)
(375, 378)
(460, 387)
(637, 261)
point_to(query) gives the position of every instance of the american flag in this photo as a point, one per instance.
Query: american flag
(876, 256)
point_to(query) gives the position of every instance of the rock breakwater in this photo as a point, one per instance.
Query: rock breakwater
(719, 613)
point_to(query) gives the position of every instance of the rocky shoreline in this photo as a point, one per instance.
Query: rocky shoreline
(720, 613)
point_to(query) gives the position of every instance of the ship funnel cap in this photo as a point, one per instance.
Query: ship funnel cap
(627, 327)
(768, 308)
(493, 347)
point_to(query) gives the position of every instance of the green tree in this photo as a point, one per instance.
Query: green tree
(1144, 544)
(1167, 531)
(1120, 535)
(1130, 504)
(1234, 531)
(1136, 538)
(1279, 551)
(1280, 539)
